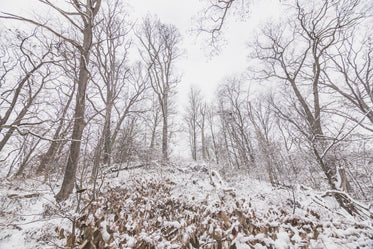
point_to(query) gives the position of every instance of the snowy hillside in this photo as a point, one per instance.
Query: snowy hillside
(182, 206)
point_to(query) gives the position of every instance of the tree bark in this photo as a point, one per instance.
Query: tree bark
(203, 139)
(154, 130)
(107, 132)
(79, 123)
(97, 158)
(165, 129)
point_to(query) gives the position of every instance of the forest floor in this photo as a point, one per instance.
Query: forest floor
(188, 206)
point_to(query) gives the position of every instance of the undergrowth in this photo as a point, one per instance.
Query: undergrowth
(147, 216)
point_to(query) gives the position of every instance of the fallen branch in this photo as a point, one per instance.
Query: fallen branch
(317, 200)
(127, 168)
(361, 207)
(16, 196)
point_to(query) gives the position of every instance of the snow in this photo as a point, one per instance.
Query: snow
(282, 241)
(167, 207)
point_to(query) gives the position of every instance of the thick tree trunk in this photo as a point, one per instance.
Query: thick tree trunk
(79, 124)
(88, 16)
(48, 157)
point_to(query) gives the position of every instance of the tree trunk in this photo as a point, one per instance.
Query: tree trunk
(97, 158)
(154, 130)
(216, 153)
(194, 140)
(165, 128)
(26, 159)
(92, 8)
(17, 92)
(5, 139)
(49, 156)
(20, 116)
(107, 130)
(165, 139)
(107, 140)
(79, 123)
(344, 184)
(330, 170)
(203, 139)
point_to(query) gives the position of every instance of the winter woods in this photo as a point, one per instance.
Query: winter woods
(92, 91)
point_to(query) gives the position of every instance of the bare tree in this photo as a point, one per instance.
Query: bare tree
(61, 129)
(350, 76)
(110, 58)
(214, 16)
(262, 120)
(33, 66)
(130, 90)
(159, 52)
(84, 26)
(191, 117)
(211, 121)
(236, 125)
(154, 121)
(202, 126)
(293, 54)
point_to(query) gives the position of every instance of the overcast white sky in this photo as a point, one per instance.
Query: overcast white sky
(196, 67)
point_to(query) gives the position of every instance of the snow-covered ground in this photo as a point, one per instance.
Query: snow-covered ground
(187, 205)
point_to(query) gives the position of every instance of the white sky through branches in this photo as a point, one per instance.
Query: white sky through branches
(196, 67)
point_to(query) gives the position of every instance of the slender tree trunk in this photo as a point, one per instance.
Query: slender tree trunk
(203, 139)
(49, 156)
(154, 130)
(226, 144)
(240, 147)
(19, 118)
(107, 140)
(5, 139)
(107, 129)
(27, 158)
(97, 158)
(214, 144)
(17, 92)
(194, 141)
(264, 147)
(165, 127)
(165, 139)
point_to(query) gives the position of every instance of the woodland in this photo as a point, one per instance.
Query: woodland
(281, 157)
